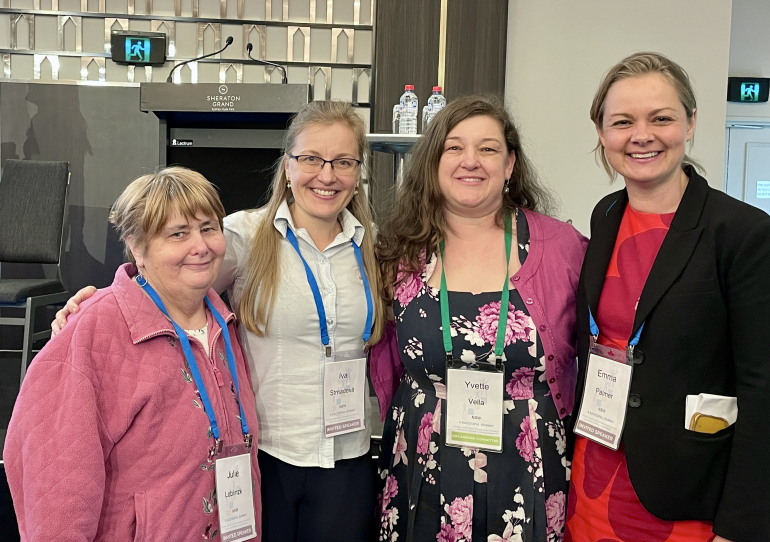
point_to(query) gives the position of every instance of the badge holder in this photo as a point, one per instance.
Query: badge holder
(235, 495)
(474, 405)
(344, 393)
(474, 391)
(603, 407)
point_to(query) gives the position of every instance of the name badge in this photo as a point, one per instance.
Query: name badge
(474, 406)
(235, 494)
(602, 412)
(344, 393)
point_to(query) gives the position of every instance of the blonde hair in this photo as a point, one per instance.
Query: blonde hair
(146, 204)
(263, 271)
(637, 65)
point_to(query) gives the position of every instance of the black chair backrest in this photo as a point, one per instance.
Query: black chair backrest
(32, 205)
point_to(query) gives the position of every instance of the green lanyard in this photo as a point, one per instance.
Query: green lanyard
(502, 322)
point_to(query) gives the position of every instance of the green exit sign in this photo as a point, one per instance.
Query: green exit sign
(748, 89)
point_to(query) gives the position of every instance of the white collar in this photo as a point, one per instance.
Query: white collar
(351, 227)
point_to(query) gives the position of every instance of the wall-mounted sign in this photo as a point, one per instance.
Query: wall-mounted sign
(747, 89)
(138, 48)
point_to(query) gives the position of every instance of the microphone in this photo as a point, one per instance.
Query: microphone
(249, 47)
(228, 42)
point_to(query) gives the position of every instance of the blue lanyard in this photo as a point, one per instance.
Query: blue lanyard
(188, 353)
(319, 304)
(631, 344)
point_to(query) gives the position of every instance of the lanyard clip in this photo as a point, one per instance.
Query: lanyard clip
(449, 357)
(630, 354)
(328, 351)
(247, 439)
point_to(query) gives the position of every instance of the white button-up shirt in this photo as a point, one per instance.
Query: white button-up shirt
(287, 365)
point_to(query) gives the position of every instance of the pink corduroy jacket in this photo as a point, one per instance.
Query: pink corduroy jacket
(108, 439)
(548, 284)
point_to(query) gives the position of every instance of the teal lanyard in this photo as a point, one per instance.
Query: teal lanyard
(502, 322)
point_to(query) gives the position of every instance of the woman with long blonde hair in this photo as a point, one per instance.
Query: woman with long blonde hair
(302, 277)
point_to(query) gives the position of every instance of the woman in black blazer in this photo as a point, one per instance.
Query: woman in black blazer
(690, 267)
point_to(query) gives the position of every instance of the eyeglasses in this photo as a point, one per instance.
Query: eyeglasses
(314, 164)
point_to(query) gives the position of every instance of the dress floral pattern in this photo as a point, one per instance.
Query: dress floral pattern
(431, 491)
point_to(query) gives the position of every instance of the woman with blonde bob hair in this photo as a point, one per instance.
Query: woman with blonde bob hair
(146, 390)
(674, 279)
(300, 273)
(469, 193)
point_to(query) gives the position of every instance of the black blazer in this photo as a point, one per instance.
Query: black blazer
(706, 310)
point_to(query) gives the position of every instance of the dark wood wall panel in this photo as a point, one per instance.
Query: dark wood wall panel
(475, 50)
(406, 36)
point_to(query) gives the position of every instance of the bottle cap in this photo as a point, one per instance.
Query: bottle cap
(408, 87)
(436, 89)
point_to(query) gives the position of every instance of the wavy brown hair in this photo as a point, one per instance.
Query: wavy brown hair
(417, 221)
(263, 274)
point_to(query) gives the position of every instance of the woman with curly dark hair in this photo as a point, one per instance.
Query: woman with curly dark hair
(474, 442)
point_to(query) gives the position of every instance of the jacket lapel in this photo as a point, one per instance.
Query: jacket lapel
(677, 247)
(603, 234)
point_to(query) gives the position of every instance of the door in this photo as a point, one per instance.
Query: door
(747, 163)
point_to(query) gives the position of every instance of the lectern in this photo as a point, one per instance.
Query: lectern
(231, 133)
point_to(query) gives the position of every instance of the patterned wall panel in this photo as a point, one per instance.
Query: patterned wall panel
(327, 43)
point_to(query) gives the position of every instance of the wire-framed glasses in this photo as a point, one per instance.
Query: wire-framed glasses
(314, 164)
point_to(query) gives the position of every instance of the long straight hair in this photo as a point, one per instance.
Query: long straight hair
(263, 272)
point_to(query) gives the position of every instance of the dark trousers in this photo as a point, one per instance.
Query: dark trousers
(311, 504)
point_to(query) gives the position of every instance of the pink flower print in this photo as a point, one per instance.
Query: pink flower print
(518, 327)
(520, 385)
(508, 535)
(424, 433)
(408, 288)
(437, 418)
(477, 463)
(526, 442)
(390, 491)
(554, 512)
(447, 533)
(461, 514)
(399, 448)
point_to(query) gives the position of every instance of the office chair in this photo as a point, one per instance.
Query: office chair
(33, 211)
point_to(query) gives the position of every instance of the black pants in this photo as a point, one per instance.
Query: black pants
(311, 504)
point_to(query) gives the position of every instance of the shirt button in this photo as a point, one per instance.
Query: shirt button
(324, 261)
(552, 380)
(563, 410)
(638, 356)
(558, 395)
(550, 358)
(329, 289)
(634, 401)
(529, 301)
(542, 328)
(516, 277)
(329, 321)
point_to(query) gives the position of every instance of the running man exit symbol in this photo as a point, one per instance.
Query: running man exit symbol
(137, 50)
(749, 92)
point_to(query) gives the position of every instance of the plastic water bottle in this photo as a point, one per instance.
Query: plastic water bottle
(407, 111)
(435, 104)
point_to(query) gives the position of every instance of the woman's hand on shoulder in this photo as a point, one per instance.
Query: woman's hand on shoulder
(720, 539)
(72, 306)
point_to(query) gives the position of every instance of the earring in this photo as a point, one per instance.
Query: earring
(506, 189)
(355, 192)
(288, 183)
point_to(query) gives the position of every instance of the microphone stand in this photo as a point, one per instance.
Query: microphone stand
(228, 42)
(249, 47)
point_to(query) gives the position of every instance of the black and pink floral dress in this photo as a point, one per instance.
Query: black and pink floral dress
(434, 492)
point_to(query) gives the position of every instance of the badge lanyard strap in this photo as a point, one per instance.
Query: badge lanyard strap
(631, 344)
(191, 358)
(319, 304)
(502, 322)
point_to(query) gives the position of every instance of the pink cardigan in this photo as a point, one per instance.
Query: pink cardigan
(108, 439)
(547, 283)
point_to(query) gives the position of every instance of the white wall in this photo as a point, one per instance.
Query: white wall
(750, 52)
(558, 51)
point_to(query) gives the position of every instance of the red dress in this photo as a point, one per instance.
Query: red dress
(602, 504)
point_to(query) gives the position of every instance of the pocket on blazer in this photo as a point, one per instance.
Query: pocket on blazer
(691, 287)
